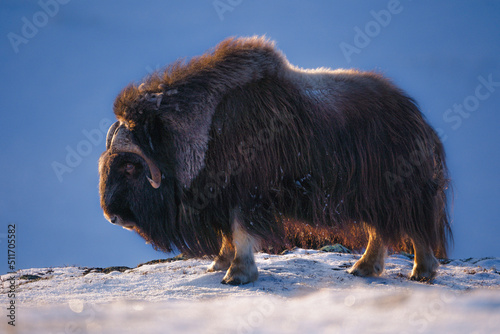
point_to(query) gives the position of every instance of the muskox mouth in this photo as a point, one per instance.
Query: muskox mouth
(118, 140)
(117, 220)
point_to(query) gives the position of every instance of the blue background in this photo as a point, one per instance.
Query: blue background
(64, 79)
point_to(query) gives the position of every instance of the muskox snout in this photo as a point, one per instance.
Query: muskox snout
(117, 220)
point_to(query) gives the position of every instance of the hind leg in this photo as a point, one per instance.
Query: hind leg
(425, 264)
(226, 255)
(372, 261)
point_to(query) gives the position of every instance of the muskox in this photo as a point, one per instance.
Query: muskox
(211, 156)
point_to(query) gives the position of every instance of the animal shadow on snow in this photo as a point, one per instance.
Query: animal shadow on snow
(292, 276)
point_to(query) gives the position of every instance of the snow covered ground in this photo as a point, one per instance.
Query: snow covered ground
(304, 291)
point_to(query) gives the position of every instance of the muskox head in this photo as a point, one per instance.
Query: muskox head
(153, 152)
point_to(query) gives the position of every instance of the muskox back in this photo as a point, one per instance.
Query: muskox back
(244, 141)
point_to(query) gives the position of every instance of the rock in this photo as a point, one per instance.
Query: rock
(30, 277)
(179, 257)
(337, 248)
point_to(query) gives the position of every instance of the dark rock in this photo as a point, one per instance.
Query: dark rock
(337, 248)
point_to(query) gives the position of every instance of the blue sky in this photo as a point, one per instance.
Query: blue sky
(64, 62)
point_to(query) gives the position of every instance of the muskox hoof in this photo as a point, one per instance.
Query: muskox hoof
(424, 276)
(364, 268)
(219, 264)
(239, 275)
(424, 273)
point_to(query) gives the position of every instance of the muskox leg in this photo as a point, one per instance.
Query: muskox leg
(372, 261)
(425, 264)
(226, 255)
(243, 269)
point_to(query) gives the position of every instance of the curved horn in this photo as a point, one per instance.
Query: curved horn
(121, 142)
(111, 133)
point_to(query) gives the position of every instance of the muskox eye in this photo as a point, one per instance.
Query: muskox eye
(129, 168)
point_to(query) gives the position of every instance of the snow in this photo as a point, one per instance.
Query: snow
(303, 291)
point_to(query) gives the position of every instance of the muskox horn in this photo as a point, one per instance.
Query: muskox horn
(111, 133)
(121, 143)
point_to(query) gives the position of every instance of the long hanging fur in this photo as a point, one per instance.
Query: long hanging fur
(240, 128)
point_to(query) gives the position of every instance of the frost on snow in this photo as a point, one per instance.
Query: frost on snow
(304, 291)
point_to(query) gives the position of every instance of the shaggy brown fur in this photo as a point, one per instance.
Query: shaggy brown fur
(303, 235)
(239, 128)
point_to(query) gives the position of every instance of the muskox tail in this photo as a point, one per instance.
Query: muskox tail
(442, 216)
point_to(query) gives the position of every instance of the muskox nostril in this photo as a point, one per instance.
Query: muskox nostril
(113, 220)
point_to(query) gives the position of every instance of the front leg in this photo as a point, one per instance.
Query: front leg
(225, 257)
(243, 269)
